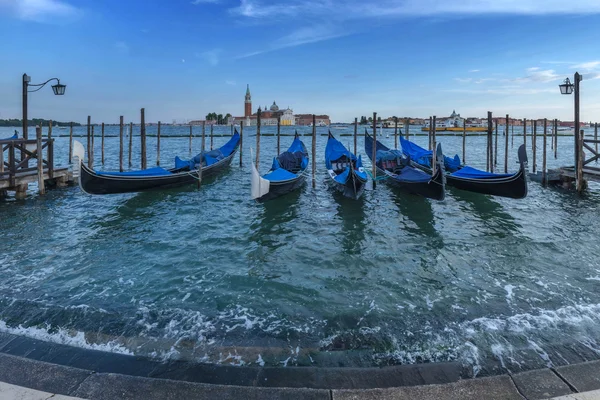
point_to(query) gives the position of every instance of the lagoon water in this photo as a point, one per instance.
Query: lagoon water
(311, 278)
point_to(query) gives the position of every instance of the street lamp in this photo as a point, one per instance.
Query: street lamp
(567, 88)
(58, 89)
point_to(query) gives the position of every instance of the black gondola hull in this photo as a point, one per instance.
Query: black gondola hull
(280, 188)
(514, 187)
(353, 188)
(434, 189)
(93, 183)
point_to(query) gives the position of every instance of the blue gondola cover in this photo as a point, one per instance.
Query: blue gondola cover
(473, 173)
(156, 171)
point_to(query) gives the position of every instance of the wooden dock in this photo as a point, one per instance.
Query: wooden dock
(23, 161)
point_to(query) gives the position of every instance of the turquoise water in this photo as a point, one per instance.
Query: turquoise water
(309, 279)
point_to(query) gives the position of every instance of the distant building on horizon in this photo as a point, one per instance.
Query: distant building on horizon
(269, 116)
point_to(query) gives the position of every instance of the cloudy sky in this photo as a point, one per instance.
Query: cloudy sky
(181, 59)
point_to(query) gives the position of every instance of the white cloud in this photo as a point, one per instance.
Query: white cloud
(590, 65)
(40, 10)
(473, 70)
(197, 2)
(228, 82)
(533, 69)
(122, 47)
(463, 80)
(211, 56)
(538, 75)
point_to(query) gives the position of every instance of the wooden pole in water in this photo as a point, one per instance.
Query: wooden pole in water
(40, 164)
(71, 143)
(257, 137)
(433, 144)
(596, 138)
(395, 134)
(144, 163)
(50, 152)
(555, 138)
(121, 143)
(407, 129)
(512, 135)
(314, 152)
(533, 142)
(464, 141)
(102, 145)
(278, 134)
(525, 132)
(92, 159)
(241, 139)
(89, 142)
(580, 184)
(50, 129)
(211, 136)
(506, 148)
(496, 145)
(355, 133)
(130, 141)
(190, 144)
(203, 142)
(158, 145)
(429, 133)
(374, 151)
(544, 152)
(490, 149)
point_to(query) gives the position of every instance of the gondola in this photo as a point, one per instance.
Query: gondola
(345, 169)
(471, 179)
(286, 173)
(13, 137)
(400, 172)
(185, 172)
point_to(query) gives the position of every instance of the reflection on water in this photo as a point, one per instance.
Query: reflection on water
(351, 212)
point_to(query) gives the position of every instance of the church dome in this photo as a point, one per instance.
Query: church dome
(274, 107)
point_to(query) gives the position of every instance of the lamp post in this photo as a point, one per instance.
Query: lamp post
(568, 88)
(58, 90)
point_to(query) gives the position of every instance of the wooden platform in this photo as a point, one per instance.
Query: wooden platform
(61, 176)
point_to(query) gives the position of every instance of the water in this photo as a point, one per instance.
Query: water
(309, 279)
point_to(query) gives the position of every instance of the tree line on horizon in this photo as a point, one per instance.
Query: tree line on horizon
(34, 122)
(219, 118)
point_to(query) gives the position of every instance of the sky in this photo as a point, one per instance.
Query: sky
(181, 59)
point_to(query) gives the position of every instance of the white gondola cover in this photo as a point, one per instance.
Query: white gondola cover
(260, 186)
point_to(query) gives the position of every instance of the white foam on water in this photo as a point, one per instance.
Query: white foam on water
(260, 361)
(63, 336)
(543, 355)
(187, 296)
(509, 292)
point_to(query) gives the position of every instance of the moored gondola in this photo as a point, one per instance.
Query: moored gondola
(345, 170)
(471, 179)
(399, 171)
(286, 174)
(185, 172)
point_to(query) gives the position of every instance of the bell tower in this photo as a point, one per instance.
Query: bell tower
(248, 103)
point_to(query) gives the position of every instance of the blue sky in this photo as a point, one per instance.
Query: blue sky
(181, 59)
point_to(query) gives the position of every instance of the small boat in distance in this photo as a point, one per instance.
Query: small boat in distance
(286, 174)
(344, 168)
(13, 137)
(402, 174)
(471, 179)
(185, 172)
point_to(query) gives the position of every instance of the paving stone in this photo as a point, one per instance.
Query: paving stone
(494, 388)
(114, 386)
(40, 375)
(583, 377)
(540, 384)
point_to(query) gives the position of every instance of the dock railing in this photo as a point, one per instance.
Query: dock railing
(17, 153)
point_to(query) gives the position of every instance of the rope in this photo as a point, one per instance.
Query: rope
(376, 179)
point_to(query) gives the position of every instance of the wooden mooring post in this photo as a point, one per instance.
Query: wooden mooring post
(374, 151)
(464, 140)
(525, 132)
(512, 135)
(71, 143)
(130, 141)
(596, 138)
(579, 166)
(429, 133)
(40, 160)
(190, 144)
(241, 138)
(356, 133)
(544, 176)
(50, 152)
(257, 137)
(533, 143)
(395, 134)
(555, 138)
(506, 147)
(407, 129)
(490, 148)
(496, 145)
(102, 145)
(211, 137)
(314, 152)
(203, 143)
(158, 144)
(278, 134)
(121, 143)
(433, 137)
(143, 139)
(89, 141)
(92, 157)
